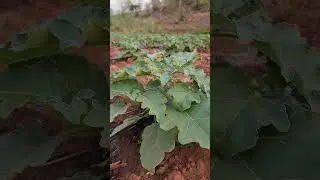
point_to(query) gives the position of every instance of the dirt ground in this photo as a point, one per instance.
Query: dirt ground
(304, 13)
(184, 163)
(15, 16)
(194, 21)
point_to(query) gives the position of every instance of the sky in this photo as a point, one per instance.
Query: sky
(116, 5)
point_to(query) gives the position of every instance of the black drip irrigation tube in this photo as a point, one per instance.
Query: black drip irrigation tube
(130, 131)
(138, 126)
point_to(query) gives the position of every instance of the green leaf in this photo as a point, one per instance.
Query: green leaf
(243, 132)
(165, 78)
(237, 130)
(231, 169)
(38, 80)
(18, 42)
(79, 107)
(68, 34)
(86, 94)
(132, 70)
(72, 112)
(155, 142)
(200, 77)
(29, 146)
(222, 24)
(10, 102)
(167, 42)
(97, 116)
(105, 141)
(43, 81)
(183, 96)
(310, 72)
(286, 48)
(180, 59)
(120, 76)
(314, 100)
(154, 85)
(252, 27)
(40, 38)
(84, 75)
(193, 124)
(155, 101)
(287, 156)
(130, 88)
(32, 84)
(39, 156)
(117, 109)
(93, 34)
(231, 93)
(44, 39)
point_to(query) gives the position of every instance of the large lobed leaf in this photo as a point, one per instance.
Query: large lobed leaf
(237, 130)
(183, 96)
(292, 156)
(129, 88)
(29, 146)
(193, 124)
(71, 28)
(155, 101)
(155, 142)
(52, 82)
(97, 116)
(280, 42)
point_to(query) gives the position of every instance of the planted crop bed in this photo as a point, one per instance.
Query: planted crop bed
(160, 111)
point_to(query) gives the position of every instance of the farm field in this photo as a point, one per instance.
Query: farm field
(78, 114)
(167, 65)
